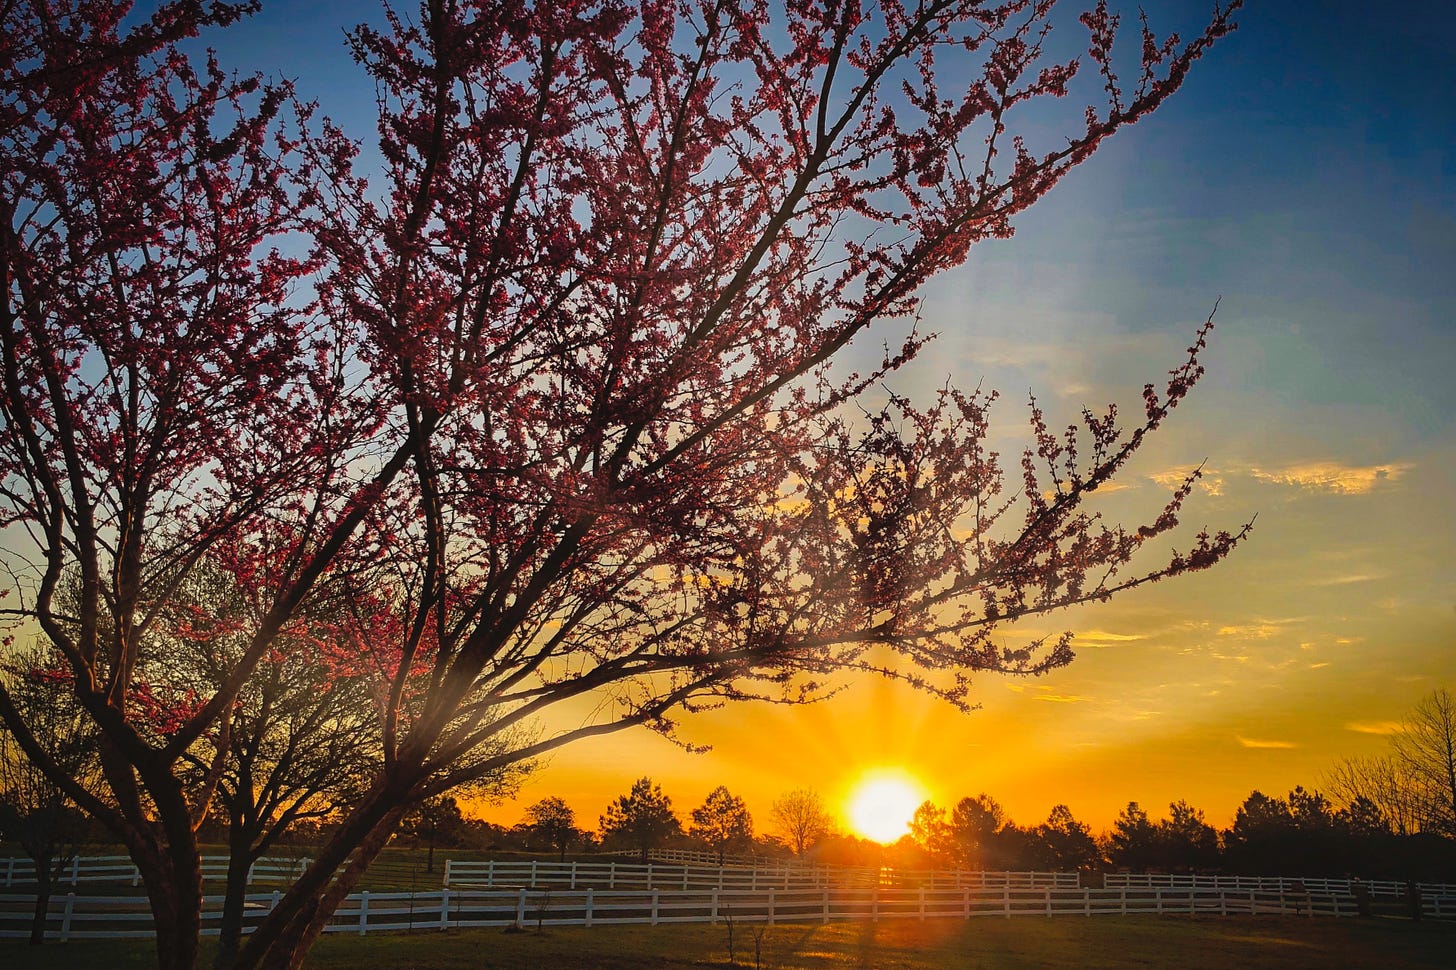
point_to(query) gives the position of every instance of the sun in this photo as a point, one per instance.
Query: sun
(881, 806)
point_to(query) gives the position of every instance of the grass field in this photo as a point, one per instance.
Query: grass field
(1261, 943)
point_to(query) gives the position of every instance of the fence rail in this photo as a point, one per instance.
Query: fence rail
(654, 875)
(1376, 887)
(120, 870)
(110, 917)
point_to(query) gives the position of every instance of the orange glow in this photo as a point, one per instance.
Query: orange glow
(882, 804)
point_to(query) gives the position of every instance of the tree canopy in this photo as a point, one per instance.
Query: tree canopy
(552, 405)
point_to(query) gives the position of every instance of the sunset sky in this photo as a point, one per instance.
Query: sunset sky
(1306, 176)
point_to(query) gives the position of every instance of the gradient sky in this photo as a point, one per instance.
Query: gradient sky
(1306, 175)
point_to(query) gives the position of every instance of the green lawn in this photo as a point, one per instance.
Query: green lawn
(1204, 943)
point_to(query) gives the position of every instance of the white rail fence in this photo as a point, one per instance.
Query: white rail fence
(653, 875)
(111, 917)
(1376, 887)
(120, 870)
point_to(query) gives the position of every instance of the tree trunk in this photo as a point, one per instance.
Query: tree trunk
(240, 860)
(176, 902)
(43, 882)
(284, 937)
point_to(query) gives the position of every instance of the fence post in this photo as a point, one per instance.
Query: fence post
(448, 864)
(965, 903)
(826, 906)
(1222, 903)
(445, 907)
(9, 872)
(654, 907)
(586, 920)
(533, 872)
(649, 875)
(75, 869)
(1158, 894)
(713, 913)
(1006, 900)
(875, 903)
(685, 878)
(1048, 903)
(922, 904)
(1122, 900)
(364, 912)
(251, 866)
(573, 875)
(490, 874)
(1086, 902)
(66, 917)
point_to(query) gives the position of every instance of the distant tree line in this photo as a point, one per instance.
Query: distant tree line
(1388, 817)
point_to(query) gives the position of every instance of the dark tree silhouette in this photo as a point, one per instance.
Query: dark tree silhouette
(554, 822)
(642, 819)
(723, 822)
(435, 821)
(801, 816)
(1069, 844)
(1425, 748)
(1133, 841)
(35, 813)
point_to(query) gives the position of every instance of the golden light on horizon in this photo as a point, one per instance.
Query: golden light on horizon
(881, 806)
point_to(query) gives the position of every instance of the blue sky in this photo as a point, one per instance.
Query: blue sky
(1306, 175)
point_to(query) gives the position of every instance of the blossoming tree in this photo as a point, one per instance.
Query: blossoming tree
(551, 400)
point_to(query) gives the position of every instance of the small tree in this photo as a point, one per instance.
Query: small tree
(1133, 842)
(35, 813)
(929, 830)
(723, 822)
(972, 831)
(1425, 747)
(434, 821)
(552, 821)
(642, 819)
(1068, 843)
(802, 818)
(1187, 841)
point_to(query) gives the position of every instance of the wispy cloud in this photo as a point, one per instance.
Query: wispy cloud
(1260, 743)
(1210, 481)
(1251, 631)
(1103, 638)
(1348, 579)
(1334, 476)
(1373, 727)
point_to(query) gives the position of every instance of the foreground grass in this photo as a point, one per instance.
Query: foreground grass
(1249, 943)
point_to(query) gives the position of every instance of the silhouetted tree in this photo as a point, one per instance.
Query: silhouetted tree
(35, 813)
(554, 822)
(1381, 781)
(723, 822)
(642, 819)
(1425, 747)
(929, 830)
(434, 821)
(802, 818)
(972, 830)
(1187, 842)
(1068, 843)
(1133, 842)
